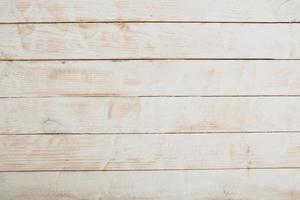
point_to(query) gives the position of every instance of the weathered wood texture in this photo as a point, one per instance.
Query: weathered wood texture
(148, 115)
(145, 10)
(110, 41)
(149, 152)
(159, 185)
(142, 145)
(150, 78)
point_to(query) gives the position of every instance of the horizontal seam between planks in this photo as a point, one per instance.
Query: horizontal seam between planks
(156, 133)
(153, 22)
(137, 170)
(145, 96)
(132, 59)
(113, 60)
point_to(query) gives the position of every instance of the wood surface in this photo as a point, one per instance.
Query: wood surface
(12, 11)
(149, 41)
(150, 78)
(148, 114)
(149, 152)
(150, 100)
(271, 184)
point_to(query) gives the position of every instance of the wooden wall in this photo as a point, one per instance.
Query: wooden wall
(138, 99)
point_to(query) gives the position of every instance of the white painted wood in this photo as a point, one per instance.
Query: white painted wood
(109, 41)
(145, 10)
(268, 184)
(149, 152)
(148, 114)
(150, 78)
(190, 166)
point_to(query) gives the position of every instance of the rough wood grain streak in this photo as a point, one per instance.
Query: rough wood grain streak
(108, 41)
(158, 185)
(149, 78)
(145, 10)
(148, 152)
(148, 114)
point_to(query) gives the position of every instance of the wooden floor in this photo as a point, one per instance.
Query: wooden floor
(146, 100)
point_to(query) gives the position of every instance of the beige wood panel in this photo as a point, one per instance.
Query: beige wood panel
(145, 10)
(150, 78)
(148, 114)
(111, 41)
(149, 152)
(162, 185)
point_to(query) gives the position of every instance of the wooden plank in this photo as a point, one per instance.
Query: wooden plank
(129, 41)
(161, 185)
(150, 78)
(144, 10)
(148, 114)
(149, 152)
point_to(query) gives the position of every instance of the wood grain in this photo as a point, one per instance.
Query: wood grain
(150, 78)
(148, 114)
(159, 185)
(146, 41)
(144, 10)
(149, 152)
(138, 99)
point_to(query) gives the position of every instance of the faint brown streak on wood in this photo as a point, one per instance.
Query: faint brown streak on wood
(149, 46)
(124, 27)
(133, 82)
(83, 94)
(124, 109)
(23, 5)
(201, 126)
(60, 74)
(294, 151)
(86, 25)
(24, 31)
(110, 110)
